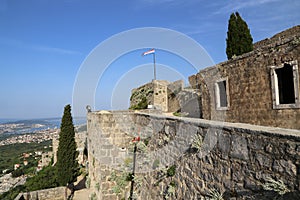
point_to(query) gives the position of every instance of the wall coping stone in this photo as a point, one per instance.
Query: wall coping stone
(261, 46)
(266, 130)
(251, 129)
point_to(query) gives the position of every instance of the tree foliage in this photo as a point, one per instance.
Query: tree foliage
(239, 39)
(46, 178)
(67, 165)
(143, 104)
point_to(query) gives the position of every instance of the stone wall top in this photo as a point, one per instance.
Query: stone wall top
(277, 40)
(253, 129)
(279, 37)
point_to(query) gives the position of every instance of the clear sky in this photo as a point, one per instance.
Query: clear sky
(43, 43)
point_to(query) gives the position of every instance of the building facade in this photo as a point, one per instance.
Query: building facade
(260, 87)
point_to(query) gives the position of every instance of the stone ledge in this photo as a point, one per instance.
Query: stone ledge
(266, 130)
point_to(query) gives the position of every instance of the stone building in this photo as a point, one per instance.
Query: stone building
(157, 94)
(168, 97)
(260, 87)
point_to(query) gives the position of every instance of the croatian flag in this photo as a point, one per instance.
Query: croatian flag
(148, 52)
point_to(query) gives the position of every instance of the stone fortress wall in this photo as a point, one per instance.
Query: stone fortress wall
(57, 193)
(235, 159)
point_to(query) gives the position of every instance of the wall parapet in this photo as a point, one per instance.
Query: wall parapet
(235, 158)
(57, 193)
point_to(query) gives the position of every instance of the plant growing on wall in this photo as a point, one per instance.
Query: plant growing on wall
(165, 173)
(171, 171)
(170, 192)
(93, 196)
(97, 186)
(121, 180)
(88, 182)
(214, 194)
(277, 186)
(197, 142)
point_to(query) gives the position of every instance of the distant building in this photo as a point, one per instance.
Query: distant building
(16, 166)
(46, 158)
(26, 155)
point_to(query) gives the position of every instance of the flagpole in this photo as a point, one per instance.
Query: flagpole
(154, 66)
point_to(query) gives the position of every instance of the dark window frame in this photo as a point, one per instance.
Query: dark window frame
(222, 101)
(282, 96)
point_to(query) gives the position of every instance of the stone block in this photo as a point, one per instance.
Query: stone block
(239, 148)
(110, 197)
(263, 160)
(284, 166)
(105, 160)
(224, 145)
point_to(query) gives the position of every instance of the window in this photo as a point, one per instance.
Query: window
(285, 86)
(222, 97)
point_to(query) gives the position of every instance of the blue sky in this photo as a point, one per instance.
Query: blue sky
(43, 43)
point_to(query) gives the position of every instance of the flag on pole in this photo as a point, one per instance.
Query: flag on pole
(148, 52)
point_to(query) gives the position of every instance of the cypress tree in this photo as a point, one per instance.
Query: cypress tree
(67, 165)
(239, 39)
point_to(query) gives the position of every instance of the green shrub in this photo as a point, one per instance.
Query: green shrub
(171, 171)
(46, 178)
(17, 173)
(12, 193)
(143, 104)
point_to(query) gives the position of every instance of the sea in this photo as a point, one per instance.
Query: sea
(29, 125)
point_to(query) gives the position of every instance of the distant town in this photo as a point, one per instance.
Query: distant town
(29, 132)
(39, 136)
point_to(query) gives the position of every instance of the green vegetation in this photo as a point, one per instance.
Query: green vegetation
(134, 94)
(128, 162)
(67, 165)
(277, 186)
(180, 114)
(13, 193)
(239, 39)
(170, 192)
(215, 195)
(12, 154)
(197, 142)
(143, 104)
(171, 171)
(93, 196)
(122, 180)
(65, 171)
(97, 186)
(46, 178)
